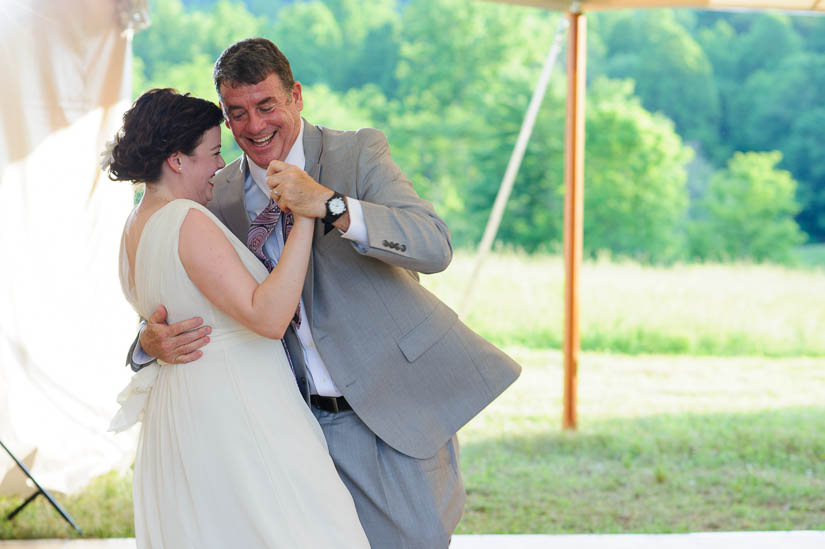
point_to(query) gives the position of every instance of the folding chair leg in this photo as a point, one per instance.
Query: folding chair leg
(13, 514)
(40, 490)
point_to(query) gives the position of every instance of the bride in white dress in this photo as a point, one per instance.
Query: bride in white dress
(229, 454)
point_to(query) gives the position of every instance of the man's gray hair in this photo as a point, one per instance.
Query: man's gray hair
(249, 62)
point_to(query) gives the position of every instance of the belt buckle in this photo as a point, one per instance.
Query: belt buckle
(327, 404)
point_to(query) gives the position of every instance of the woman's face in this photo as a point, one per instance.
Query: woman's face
(199, 167)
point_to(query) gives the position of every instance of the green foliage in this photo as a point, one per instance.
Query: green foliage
(768, 119)
(635, 195)
(341, 43)
(811, 255)
(747, 212)
(804, 151)
(671, 71)
(716, 42)
(464, 82)
(139, 83)
(769, 40)
(449, 81)
(788, 115)
(451, 50)
(756, 81)
(180, 47)
(812, 31)
(769, 69)
(310, 37)
(334, 110)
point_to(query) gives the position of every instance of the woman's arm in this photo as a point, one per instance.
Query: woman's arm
(217, 271)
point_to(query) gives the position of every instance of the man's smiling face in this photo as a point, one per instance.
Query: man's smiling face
(265, 118)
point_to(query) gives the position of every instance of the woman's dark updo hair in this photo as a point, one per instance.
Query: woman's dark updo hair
(159, 124)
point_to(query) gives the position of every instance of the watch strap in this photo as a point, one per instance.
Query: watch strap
(330, 216)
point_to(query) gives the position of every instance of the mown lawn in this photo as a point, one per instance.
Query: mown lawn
(665, 444)
(626, 307)
(701, 405)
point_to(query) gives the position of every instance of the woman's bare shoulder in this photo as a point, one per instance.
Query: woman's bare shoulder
(202, 242)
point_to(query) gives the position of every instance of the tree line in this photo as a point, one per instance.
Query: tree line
(705, 130)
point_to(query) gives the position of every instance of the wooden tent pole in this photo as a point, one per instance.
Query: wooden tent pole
(573, 207)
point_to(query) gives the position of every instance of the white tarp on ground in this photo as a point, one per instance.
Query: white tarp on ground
(64, 324)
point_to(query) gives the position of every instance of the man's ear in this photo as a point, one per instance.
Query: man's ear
(296, 95)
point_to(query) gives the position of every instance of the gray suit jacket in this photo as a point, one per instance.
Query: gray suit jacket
(408, 367)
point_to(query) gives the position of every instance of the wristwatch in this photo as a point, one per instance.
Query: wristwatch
(336, 207)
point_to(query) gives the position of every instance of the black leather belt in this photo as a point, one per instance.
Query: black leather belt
(330, 404)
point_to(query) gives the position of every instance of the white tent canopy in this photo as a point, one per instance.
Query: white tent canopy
(595, 5)
(64, 325)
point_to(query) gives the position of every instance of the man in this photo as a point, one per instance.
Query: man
(389, 371)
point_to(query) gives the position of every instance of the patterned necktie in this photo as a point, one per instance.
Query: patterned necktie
(259, 231)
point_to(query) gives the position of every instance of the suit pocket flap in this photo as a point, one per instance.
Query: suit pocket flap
(426, 334)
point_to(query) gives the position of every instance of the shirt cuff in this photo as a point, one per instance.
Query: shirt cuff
(357, 231)
(139, 356)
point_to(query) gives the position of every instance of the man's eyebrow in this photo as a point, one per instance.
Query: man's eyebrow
(263, 101)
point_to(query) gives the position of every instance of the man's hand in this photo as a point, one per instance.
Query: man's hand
(294, 190)
(176, 343)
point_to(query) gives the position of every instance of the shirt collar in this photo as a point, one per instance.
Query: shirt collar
(296, 157)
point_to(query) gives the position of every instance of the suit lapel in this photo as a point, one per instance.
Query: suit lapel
(313, 146)
(231, 201)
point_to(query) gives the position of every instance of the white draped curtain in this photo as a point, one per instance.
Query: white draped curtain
(64, 325)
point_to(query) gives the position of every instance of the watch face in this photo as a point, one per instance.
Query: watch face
(337, 206)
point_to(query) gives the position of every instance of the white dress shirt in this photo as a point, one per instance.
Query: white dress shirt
(256, 198)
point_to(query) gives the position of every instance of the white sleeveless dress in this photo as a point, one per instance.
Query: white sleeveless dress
(229, 454)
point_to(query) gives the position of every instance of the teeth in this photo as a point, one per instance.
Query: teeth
(263, 139)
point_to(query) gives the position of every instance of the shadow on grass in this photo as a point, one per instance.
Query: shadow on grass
(671, 473)
(728, 471)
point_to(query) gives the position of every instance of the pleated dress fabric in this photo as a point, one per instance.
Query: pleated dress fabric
(229, 455)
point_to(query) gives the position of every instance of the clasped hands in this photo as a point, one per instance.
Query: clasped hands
(295, 191)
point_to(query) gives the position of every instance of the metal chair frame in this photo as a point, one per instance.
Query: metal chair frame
(40, 490)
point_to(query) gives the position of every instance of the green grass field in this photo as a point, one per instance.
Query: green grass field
(727, 439)
(625, 307)
(665, 444)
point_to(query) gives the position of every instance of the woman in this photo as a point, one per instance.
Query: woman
(229, 454)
